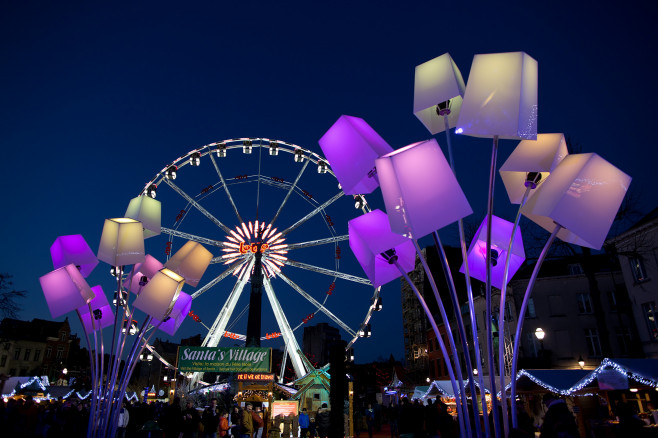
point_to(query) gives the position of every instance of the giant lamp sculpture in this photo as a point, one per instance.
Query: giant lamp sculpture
(578, 204)
(157, 290)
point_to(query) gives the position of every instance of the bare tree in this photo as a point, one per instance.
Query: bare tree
(9, 297)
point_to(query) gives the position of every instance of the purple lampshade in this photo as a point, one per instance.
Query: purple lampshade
(73, 249)
(583, 195)
(65, 290)
(501, 232)
(500, 97)
(371, 235)
(351, 147)
(181, 309)
(147, 269)
(190, 262)
(420, 191)
(437, 81)
(101, 312)
(541, 155)
(158, 297)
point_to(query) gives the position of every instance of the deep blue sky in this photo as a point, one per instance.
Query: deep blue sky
(96, 99)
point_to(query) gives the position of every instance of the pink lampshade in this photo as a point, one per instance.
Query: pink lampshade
(122, 242)
(501, 232)
(65, 290)
(190, 262)
(102, 319)
(436, 81)
(583, 195)
(181, 309)
(420, 191)
(73, 249)
(500, 97)
(541, 155)
(159, 295)
(351, 147)
(370, 235)
(148, 211)
(147, 269)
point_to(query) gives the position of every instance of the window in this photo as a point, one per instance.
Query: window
(60, 353)
(637, 268)
(530, 310)
(623, 339)
(575, 269)
(555, 305)
(27, 354)
(316, 396)
(62, 336)
(17, 354)
(584, 303)
(7, 346)
(3, 360)
(37, 354)
(649, 312)
(49, 352)
(593, 343)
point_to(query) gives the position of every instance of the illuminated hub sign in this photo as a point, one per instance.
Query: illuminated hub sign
(255, 377)
(251, 237)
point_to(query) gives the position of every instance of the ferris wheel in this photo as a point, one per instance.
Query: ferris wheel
(272, 208)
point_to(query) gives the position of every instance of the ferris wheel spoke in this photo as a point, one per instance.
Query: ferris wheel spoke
(333, 239)
(193, 237)
(313, 213)
(219, 326)
(219, 278)
(196, 205)
(317, 304)
(328, 272)
(288, 336)
(292, 188)
(228, 194)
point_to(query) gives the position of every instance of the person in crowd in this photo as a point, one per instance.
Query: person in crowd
(257, 417)
(190, 420)
(235, 422)
(303, 423)
(124, 418)
(312, 432)
(247, 421)
(322, 421)
(210, 419)
(558, 421)
(393, 414)
(223, 428)
(370, 419)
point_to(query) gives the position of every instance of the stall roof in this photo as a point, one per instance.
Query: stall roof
(558, 381)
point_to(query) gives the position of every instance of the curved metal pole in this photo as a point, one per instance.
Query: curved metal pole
(501, 316)
(491, 361)
(455, 388)
(471, 305)
(92, 365)
(460, 327)
(521, 316)
(451, 339)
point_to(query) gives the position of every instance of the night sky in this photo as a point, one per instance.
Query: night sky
(96, 99)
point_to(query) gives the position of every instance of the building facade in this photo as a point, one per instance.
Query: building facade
(637, 250)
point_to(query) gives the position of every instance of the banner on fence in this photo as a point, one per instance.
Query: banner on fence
(224, 359)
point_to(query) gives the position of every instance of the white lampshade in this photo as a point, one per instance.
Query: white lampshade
(437, 81)
(190, 262)
(500, 97)
(159, 295)
(65, 290)
(146, 210)
(541, 155)
(583, 195)
(420, 190)
(122, 242)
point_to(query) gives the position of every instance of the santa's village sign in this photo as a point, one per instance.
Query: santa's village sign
(224, 360)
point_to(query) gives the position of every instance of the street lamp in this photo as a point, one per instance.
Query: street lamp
(540, 334)
(581, 362)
